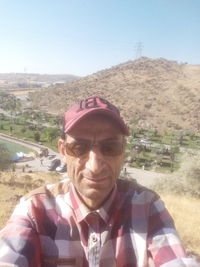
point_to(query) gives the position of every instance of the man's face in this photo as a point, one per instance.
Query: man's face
(93, 173)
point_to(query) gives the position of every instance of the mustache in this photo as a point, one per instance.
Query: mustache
(100, 174)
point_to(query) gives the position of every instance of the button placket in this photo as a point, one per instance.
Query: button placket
(94, 240)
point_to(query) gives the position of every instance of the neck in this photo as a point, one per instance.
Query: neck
(90, 203)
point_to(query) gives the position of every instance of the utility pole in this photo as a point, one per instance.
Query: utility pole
(138, 49)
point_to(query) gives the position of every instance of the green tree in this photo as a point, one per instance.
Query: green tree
(51, 134)
(181, 139)
(23, 130)
(37, 136)
(5, 161)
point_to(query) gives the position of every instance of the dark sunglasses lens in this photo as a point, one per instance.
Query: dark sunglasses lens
(77, 149)
(112, 148)
(108, 148)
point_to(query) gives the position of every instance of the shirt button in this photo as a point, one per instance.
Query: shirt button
(94, 239)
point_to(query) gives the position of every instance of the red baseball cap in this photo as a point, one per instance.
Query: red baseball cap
(92, 105)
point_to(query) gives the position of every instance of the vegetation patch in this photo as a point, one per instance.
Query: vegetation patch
(181, 194)
(15, 185)
(186, 214)
(185, 181)
(147, 148)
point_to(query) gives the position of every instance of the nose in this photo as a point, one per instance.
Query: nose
(95, 161)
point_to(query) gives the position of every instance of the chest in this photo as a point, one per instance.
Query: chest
(118, 244)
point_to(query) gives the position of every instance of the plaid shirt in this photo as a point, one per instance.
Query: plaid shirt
(52, 227)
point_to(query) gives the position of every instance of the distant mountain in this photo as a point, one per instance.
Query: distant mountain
(9, 81)
(155, 93)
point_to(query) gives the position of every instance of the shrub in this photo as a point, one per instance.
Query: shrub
(184, 181)
(37, 136)
(5, 162)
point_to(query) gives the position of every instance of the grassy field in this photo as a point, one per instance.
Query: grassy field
(183, 209)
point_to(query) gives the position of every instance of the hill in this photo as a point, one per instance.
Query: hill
(155, 93)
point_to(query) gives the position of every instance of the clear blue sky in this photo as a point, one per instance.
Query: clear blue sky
(84, 36)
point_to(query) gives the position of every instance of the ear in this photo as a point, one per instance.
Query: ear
(61, 147)
(124, 152)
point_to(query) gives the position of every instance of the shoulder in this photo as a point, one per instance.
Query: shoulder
(132, 187)
(50, 190)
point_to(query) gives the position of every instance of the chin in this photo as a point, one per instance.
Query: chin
(95, 195)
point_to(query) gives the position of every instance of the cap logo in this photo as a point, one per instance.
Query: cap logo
(96, 102)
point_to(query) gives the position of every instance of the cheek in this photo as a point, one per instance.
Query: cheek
(70, 166)
(116, 164)
(73, 166)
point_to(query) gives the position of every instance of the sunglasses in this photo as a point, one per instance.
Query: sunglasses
(107, 148)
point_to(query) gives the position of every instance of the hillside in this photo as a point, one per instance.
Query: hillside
(154, 93)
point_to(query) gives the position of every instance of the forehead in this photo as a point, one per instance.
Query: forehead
(96, 125)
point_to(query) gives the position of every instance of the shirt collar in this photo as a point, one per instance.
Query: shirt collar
(82, 211)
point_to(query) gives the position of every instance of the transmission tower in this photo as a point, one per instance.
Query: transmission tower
(138, 50)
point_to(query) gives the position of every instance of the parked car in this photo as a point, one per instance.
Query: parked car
(51, 156)
(62, 168)
(54, 164)
(145, 141)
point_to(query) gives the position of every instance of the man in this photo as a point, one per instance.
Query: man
(93, 218)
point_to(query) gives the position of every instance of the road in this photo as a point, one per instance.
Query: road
(144, 177)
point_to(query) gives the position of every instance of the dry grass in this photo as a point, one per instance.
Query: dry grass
(15, 185)
(180, 192)
(186, 214)
(185, 181)
(21, 92)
